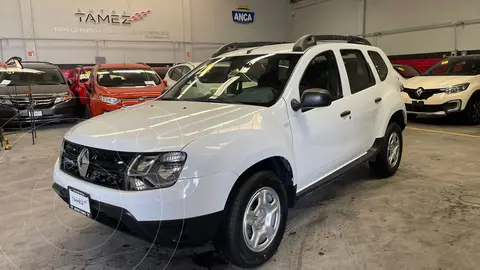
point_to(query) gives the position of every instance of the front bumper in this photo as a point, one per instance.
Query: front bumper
(447, 108)
(196, 204)
(438, 104)
(171, 233)
(63, 111)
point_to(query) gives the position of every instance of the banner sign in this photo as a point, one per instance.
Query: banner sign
(243, 15)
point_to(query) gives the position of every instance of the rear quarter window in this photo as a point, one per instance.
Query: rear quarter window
(380, 65)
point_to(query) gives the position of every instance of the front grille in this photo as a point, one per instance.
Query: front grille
(38, 102)
(426, 94)
(107, 168)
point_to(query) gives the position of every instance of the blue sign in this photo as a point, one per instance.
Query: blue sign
(243, 16)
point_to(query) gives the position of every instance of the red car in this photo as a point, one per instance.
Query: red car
(113, 86)
(80, 76)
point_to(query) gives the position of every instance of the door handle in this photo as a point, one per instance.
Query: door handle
(378, 99)
(345, 113)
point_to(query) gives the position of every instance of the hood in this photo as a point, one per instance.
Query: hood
(36, 89)
(159, 125)
(435, 82)
(138, 91)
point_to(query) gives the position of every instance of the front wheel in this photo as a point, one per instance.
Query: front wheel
(256, 216)
(390, 154)
(473, 110)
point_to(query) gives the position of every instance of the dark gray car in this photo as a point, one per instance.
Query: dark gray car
(52, 99)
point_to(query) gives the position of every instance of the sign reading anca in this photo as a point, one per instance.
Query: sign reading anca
(243, 15)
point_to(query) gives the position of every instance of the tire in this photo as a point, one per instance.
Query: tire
(472, 111)
(382, 166)
(231, 239)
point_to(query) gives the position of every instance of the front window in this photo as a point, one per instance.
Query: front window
(456, 67)
(248, 79)
(122, 77)
(49, 76)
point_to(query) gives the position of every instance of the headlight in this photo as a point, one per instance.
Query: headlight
(155, 171)
(456, 88)
(64, 97)
(5, 101)
(110, 100)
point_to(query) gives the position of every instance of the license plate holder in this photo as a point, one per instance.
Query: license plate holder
(79, 201)
(418, 104)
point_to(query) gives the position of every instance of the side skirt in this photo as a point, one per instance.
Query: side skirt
(369, 156)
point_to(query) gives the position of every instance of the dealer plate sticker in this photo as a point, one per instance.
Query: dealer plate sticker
(79, 202)
(35, 113)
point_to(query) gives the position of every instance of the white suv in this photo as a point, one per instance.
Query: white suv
(224, 162)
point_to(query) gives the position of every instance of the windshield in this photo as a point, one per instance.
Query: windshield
(122, 77)
(455, 66)
(50, 76)
(407, 72)
(248, 79)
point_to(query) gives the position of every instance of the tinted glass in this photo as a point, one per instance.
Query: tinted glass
(380, 65)
(50, 76)
(175, 73)
(359, 73)
(407, 71)
(122, 77)
(456, 66)
(322, 72)
(250, 79)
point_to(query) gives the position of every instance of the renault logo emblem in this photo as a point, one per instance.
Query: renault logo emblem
(419, 91)
(83, 162)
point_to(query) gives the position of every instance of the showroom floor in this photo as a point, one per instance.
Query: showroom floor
(427, 216)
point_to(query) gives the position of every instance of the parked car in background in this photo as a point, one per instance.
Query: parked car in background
(450, 87)
(161, 71)
(178, 71)
(76, 82)
(406, 72)
(113, 86)
(51, 97)
(225, 158)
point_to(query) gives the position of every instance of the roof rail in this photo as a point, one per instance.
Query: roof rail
(308, 41)
(230, 47)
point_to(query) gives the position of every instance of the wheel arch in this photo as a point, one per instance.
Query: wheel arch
(278, 165)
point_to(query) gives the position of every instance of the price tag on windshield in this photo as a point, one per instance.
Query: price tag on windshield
(5, 83)
(150, 83)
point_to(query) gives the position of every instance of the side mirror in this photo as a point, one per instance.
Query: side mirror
(313, 98)
(70, 82)
(165, 82)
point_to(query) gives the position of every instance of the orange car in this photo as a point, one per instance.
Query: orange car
(113, 86)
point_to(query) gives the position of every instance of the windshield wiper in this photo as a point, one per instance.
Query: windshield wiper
(221, 100)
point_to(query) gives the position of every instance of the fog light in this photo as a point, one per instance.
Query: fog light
(453, 105)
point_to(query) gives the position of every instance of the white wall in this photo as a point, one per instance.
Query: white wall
(386, 16)
(54, 32)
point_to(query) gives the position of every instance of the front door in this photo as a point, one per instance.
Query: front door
(321, 135)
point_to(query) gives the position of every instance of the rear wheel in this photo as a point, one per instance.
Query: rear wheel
(389, 156)
(256, 217)
(473, 110)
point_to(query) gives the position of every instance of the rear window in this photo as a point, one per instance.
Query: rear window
(124, 77)
(380, 65)
(50, 76)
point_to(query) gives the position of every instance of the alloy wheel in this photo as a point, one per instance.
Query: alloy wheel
(393, 149)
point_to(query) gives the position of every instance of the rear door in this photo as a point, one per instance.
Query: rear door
(363, 88)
